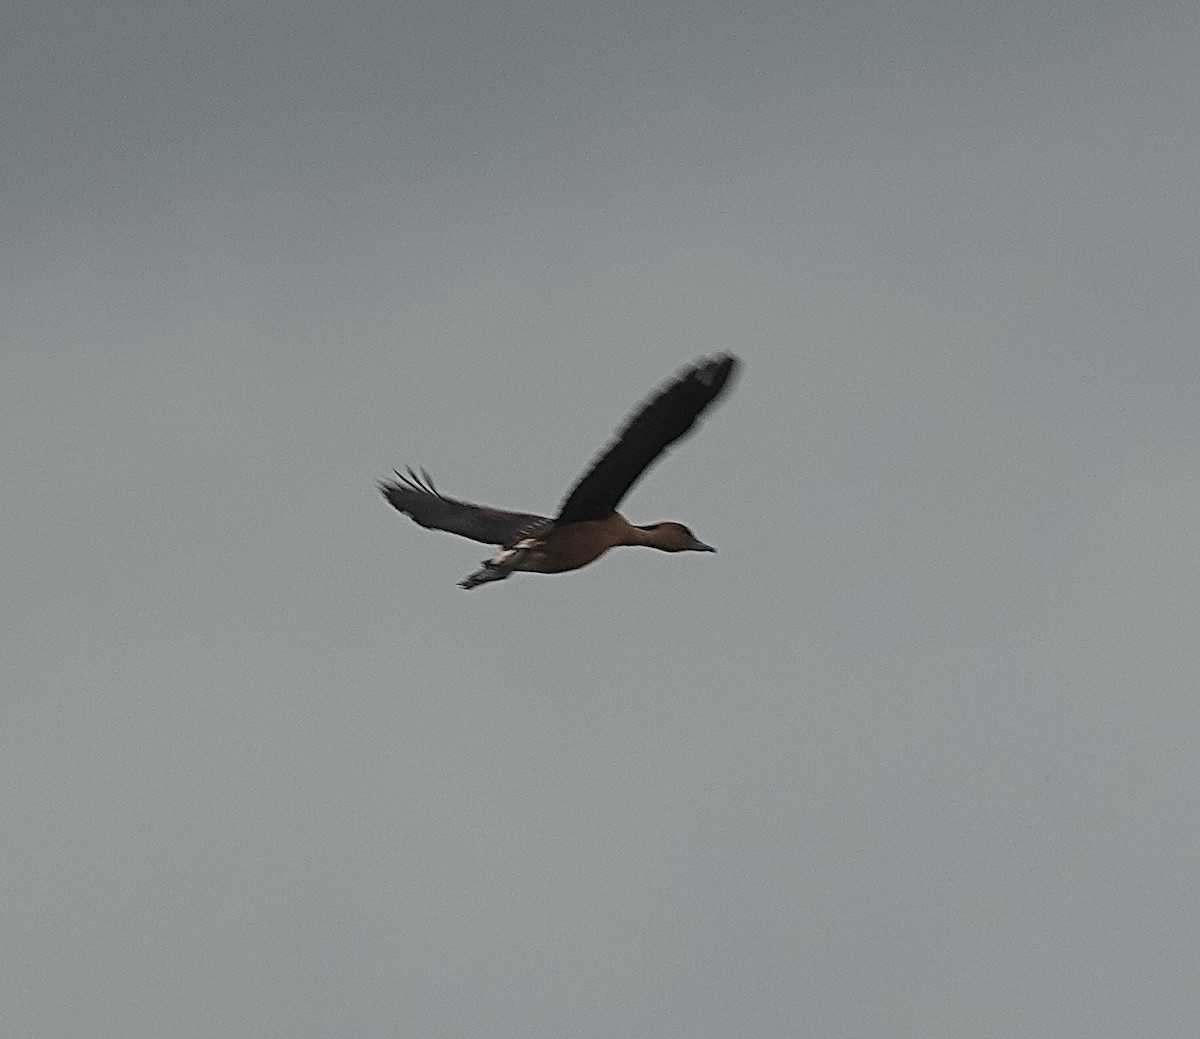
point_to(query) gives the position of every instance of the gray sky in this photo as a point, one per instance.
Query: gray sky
(913, 756)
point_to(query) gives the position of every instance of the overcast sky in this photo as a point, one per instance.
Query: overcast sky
(914, 755)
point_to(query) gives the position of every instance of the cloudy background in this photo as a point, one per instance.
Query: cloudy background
(915, 755)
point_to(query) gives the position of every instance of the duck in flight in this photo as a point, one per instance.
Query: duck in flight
(587, 524)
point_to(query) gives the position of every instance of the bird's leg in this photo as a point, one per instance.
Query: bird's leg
(500, 565)
(488, 573)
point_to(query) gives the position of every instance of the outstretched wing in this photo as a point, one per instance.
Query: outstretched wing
(416, 497)
(654, 428)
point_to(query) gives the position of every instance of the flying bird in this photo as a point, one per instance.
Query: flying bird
(587, 524)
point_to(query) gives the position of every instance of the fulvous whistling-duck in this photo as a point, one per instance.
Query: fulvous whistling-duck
(587, 524)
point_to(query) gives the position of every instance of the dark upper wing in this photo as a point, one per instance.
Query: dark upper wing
(415, 496)
(657, 425)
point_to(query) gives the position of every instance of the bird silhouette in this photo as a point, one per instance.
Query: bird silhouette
(587, 524)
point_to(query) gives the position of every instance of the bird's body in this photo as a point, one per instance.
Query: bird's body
(588, 524)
